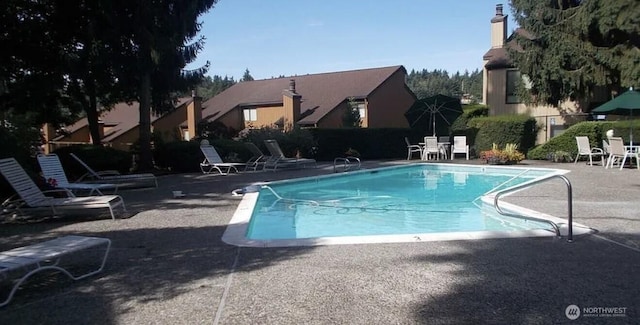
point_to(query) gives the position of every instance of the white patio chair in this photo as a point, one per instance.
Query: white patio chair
(412, 148)
(33, 199)
(257, 160)
(460, 146)
(584, 149)
(617, 151)
(431, 148)
(52, 170)
(113, 176)
(212, 161)
(278, 159)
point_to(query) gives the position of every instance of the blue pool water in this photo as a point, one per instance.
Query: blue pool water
(413, 199)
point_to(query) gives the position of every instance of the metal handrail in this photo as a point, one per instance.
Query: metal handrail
(498, 194)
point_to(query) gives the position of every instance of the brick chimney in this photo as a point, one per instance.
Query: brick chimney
(498, 28)
(291, 103)
(194, 114)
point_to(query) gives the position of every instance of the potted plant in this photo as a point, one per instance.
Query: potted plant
(507, 156)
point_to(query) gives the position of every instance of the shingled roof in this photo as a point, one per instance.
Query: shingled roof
(320, 93)
(121, 118)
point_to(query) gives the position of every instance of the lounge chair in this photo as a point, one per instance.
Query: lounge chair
(431, 148)
(212, 161)
(54, 173)
(460, 146)
(618, 151)
(59, 254)
(257, 160)
(33, 199)
(113, 176)
(278, 159)
(412, 148)
(584, 149)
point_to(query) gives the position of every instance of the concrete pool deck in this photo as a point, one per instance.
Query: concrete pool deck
(168, 264)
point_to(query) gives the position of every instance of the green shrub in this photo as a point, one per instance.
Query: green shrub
(290, 142)
(371, 143)
(566, 142)
(459, 126)
(185, 156)
(517, 129)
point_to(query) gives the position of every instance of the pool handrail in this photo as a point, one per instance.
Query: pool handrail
(498, 194)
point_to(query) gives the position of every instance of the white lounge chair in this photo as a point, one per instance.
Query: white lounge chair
(33, 199)
(431, 148)
(278, 159)
(584, 149)
(54, 173)
(617, 152)
(59, 254)
(460, 146)
(412, 148)
(212, 161)
(113, 176)
(257, 159)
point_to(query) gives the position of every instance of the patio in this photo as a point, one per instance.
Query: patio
(168, 265)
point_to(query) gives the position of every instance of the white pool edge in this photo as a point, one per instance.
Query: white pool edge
(235, 234)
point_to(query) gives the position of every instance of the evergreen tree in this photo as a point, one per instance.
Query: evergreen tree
(351, 117)
(246, 76)
(568, 48)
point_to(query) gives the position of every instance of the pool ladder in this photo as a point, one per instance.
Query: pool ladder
(498, 194)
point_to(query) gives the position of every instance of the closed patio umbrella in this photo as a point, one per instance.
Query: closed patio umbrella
(628, 104)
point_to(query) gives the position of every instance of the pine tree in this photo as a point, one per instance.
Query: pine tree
(569, 48)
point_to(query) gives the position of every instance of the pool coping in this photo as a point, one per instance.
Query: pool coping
(235, 234)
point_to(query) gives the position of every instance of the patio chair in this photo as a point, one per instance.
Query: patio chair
(257, 160)
(113, 176)
(460, 146)
(618, 151)
(278, 159)
(33, 199)
(412, 148)
(445, 146)
(213, 162)
(584, 149)
(431, 148)
(62, 254)
(54, 173)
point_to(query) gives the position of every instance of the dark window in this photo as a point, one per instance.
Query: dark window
(513, 78)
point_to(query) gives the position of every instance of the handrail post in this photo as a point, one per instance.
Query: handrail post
(555, 227)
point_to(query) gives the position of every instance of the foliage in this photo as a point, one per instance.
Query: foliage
(210, 87)
(570, 48)
(351, 116)
(290, 142)
(459, 126)
(371, 143)
(428, 83)
(566, 141)
(246, 76)
(518, 129)
(508, 155)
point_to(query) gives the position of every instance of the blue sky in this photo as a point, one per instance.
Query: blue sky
(286, 37)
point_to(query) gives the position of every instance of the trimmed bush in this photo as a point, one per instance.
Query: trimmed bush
(566, 142)
(185, 156)
(516, 129)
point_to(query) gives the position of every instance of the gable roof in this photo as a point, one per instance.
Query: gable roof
(320, 93)
(122, 118)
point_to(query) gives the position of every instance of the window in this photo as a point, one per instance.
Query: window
(362, 110)
(513, 78)
(250, 114)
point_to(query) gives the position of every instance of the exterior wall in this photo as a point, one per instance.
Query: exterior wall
(388, 103)
(333, 119)
(168, 126)
(124, 141)
(267, 116)
(233, 119)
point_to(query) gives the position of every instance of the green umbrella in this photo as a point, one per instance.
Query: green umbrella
(628, 103)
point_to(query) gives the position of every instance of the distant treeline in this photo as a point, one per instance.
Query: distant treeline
(423, 83)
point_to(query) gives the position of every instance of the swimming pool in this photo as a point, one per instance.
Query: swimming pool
(406, 203)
